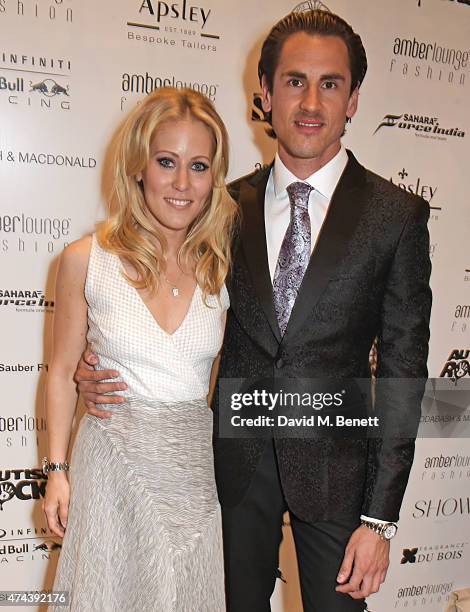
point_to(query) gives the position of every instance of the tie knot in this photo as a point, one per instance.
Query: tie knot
(298, 194)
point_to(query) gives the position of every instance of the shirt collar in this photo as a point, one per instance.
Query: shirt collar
(324, 180)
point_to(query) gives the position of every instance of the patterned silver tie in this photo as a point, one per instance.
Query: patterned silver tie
(294, 254)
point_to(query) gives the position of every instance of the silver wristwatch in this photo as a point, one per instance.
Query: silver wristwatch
(385, 530)
(49, 466)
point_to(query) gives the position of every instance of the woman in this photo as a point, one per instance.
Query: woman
(147, 293)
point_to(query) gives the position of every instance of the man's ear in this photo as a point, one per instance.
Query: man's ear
(352, 104)
(265, 95)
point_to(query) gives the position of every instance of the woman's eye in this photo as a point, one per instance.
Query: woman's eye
(166, 162)
(200, 166)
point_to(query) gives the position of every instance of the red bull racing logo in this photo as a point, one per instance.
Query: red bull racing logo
(49, 88)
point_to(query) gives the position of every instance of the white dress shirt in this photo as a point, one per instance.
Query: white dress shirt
(277, 206)
(277, 209)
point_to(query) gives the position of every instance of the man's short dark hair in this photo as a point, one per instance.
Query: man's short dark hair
(314, 22)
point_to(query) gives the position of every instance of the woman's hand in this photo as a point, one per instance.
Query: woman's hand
(56, 502)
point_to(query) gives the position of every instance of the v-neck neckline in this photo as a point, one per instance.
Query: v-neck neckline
(122, 270)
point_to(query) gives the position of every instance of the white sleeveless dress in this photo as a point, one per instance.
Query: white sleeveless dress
(144, 528)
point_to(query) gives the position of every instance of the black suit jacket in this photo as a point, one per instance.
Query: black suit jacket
(368, 278)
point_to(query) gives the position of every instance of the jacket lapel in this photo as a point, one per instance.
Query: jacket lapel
(253, 239)
(340, 222)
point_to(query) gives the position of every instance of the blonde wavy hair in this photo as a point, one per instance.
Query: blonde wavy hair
(209, 236)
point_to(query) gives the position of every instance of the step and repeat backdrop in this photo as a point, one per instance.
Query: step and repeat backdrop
(71, 69)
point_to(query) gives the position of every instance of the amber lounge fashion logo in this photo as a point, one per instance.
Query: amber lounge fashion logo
(461, 318)
(132, 83)
(429, 61)
(420, 125)
(52, 11)
(422, 595)
(165, 24)
(30, 235)
(446, 467)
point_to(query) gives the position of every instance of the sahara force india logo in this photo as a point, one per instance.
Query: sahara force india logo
(421, 125)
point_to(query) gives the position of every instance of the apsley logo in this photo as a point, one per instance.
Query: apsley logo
(418, 187)
(310, 5)
(22, 484)
(180, 11)
(49, 88)
(433, 554)
(457, 365)
(169, 24)
(420, 125)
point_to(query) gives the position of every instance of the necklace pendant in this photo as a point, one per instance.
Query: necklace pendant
(175, 291)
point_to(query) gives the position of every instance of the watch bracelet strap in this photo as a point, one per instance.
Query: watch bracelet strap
(52, 466)
(369, 519)
(378, 528)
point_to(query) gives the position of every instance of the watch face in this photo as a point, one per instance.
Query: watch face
(390, 531)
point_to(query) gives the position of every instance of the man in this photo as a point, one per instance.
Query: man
(329, 257)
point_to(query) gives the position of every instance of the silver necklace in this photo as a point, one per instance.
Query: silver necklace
(174, 289)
